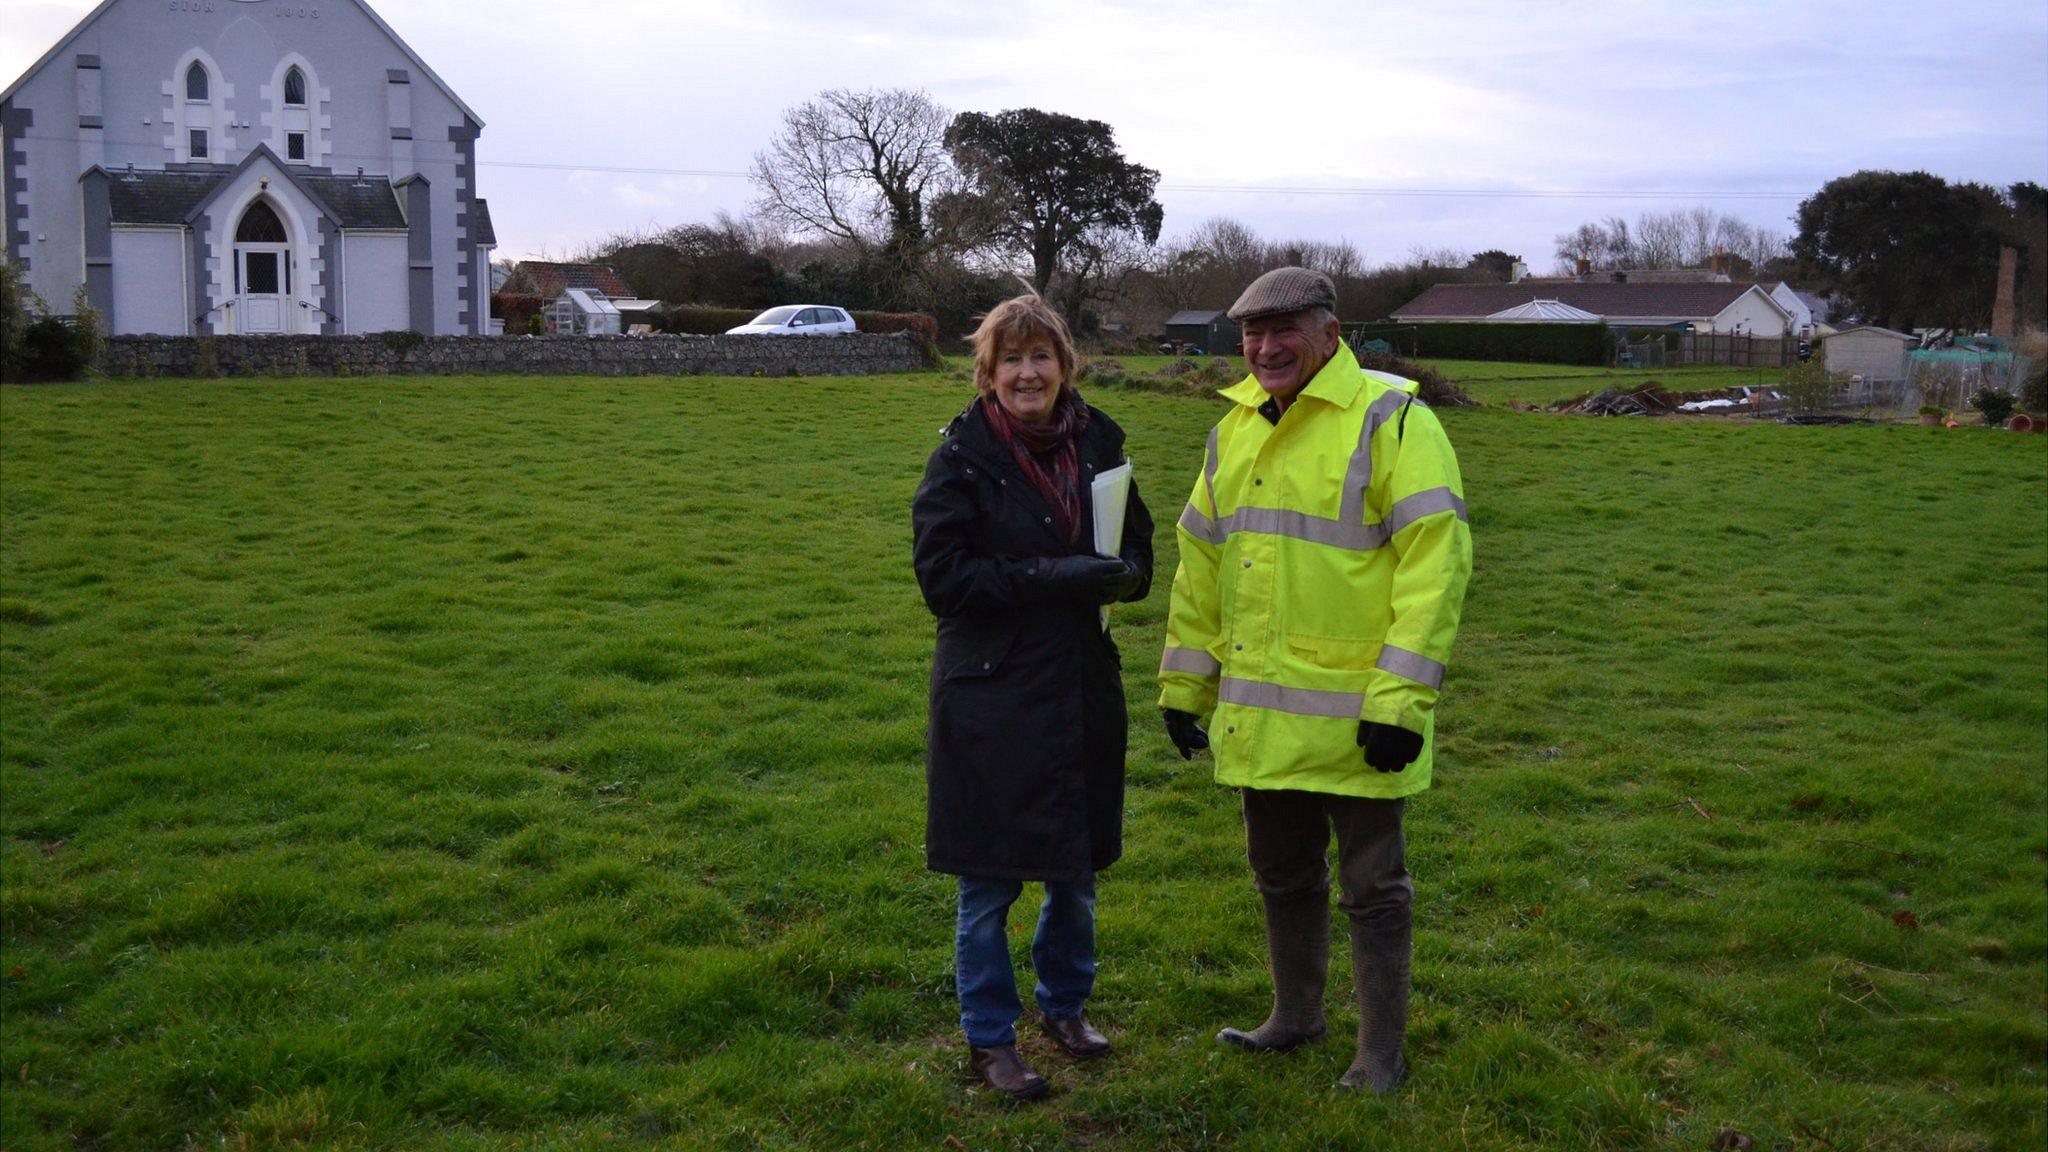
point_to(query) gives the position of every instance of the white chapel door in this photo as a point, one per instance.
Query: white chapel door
(263, 273)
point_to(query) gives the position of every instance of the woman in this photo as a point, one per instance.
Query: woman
(1025, 767)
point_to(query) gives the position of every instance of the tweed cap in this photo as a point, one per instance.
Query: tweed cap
(1285, 290)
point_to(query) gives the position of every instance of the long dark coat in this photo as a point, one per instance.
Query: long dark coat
(1024, 769)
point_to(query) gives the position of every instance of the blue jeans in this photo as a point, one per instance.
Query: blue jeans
(1062, 953)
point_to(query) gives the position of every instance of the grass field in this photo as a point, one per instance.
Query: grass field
(519, 764)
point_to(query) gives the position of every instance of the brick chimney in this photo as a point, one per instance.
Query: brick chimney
(1718, 262)
(1585, 267)
(2005, 317)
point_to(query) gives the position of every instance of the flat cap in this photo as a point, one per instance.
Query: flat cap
(1285, 290)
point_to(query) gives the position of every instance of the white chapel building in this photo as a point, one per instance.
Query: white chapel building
(245, 166)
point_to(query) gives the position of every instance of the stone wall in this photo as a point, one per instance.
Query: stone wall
(408, 354)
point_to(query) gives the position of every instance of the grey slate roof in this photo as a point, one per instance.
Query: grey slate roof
(1613, 301)
(157, 197)
(370, 204)
(169, 197)
(1196, 317)
(481, 224)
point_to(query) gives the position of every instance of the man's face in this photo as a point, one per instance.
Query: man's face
(1286, 351)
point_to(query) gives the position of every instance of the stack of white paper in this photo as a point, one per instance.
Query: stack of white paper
(1112, 490)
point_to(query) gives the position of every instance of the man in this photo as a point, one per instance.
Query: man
(1323, 561)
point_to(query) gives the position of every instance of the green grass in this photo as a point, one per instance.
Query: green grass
(487, 763)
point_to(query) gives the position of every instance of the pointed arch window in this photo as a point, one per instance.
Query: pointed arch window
(196, 82)
(295, 88)
(260, 225)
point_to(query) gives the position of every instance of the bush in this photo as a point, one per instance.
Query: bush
(520, 312)
(693, 320)
(2034, 393)
(1537, 343)
(1809, 385)
(1995, 403)
(50, 350)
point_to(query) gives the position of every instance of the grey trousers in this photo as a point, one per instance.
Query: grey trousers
(1287, 837)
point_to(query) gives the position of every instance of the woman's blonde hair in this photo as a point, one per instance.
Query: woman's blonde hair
(1015, 323)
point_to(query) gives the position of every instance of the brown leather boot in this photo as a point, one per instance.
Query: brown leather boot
(1076, 1037)
(1002, 1069)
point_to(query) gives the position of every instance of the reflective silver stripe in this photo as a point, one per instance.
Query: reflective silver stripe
(1200, 526)
(1358, 476)
(1189, 660)
(1409, 509)
(1420, 669)
(1302, 526)
(1300, 701)
(1209, 468)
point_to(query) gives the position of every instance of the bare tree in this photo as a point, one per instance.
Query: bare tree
(859, 168)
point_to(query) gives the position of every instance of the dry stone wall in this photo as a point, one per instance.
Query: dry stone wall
(409, 354)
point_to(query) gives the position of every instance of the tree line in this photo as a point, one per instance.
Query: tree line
(886, 200)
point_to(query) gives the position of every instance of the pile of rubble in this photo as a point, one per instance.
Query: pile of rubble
(1653, 399)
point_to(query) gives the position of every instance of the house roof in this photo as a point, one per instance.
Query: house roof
(174, 197)
(548, 279)
(1197, 317)
(486, 235)
(1622, 302)
(65, 41)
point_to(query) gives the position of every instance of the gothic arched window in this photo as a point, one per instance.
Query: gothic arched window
(260, 225)
(295, 88)
(195, 81)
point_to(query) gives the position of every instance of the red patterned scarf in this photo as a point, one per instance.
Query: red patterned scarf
(1047, 454)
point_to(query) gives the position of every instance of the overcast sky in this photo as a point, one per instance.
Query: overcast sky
(1395, 127)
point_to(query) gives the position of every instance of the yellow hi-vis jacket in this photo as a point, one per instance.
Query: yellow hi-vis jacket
(1323, 563)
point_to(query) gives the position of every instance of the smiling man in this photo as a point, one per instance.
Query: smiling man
(1323, 560)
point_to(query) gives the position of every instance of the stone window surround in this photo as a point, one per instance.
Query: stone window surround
(278, 118)
(180, 117)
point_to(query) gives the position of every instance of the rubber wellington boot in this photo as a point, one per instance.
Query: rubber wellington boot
(1380, 951)
(1298, 949)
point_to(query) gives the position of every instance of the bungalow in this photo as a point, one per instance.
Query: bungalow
(1747, 309)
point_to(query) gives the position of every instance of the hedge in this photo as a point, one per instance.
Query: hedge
(1539, 343)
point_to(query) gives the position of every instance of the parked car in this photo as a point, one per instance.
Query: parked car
(797, 320)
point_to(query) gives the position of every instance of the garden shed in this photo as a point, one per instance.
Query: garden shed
(1876, 354)
(1214, 333)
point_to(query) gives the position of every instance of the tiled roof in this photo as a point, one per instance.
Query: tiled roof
(169, 197)
(1197, 316)
(548, 279)
(480, 225)
(1613, 301)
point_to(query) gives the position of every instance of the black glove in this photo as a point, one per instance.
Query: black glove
(1186, 734)
(1128, 582)
(1096, 579)
(1388, 747)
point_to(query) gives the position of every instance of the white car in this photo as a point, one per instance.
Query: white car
(796, 320)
